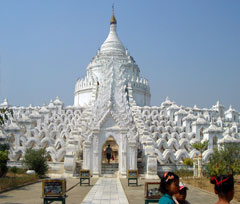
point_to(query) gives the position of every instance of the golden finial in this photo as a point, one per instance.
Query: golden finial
(113, 19)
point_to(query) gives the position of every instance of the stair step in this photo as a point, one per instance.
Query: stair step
(109, 164)
(108, 175)
(108, 170)
(111, 168)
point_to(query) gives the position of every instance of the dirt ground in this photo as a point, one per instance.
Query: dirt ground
(204, 183)
(32, 194)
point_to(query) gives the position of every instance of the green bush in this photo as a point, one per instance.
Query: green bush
(224, 161)
(4, 147)
(21, 171)
(36, 160)
(13, 169)
(188, 161)
(4, 115)
(17, 170)
(3, 162)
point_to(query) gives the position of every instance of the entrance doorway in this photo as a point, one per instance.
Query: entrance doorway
(114, 155)
(215, 139)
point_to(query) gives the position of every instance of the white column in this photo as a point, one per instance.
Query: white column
(151, 166)
(179, 120)
(195, 166)
(70, 156)
(45, 116)
(96, 155)
(186, 123)
(123, 153)
(132, 155)
(198, 128)
(200, 165)
(17, 138)
(87, 155)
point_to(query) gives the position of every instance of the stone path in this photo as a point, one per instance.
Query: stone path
(107, 191)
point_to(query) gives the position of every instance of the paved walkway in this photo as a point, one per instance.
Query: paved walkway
(106, 191)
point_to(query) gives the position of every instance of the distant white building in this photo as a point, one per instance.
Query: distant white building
(112, 106)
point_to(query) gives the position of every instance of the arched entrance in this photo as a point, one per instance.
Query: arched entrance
(215, 139)
(112, 167)
(201, 133)
(114, 146)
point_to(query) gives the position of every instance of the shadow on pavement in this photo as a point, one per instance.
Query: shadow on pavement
(12, 203)
(4, 196)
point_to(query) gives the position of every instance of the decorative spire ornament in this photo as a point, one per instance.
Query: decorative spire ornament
(113, 19)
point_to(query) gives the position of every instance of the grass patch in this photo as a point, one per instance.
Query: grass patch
(12, 180)
(204, 183)
(184, 172)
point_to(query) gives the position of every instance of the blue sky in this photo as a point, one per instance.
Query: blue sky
(188, 50)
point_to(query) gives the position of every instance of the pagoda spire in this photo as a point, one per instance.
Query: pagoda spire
(113, 19)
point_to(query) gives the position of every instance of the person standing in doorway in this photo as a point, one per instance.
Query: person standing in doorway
(109, 153)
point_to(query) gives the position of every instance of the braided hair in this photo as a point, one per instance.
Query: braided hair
(223, 184)
(167, 179)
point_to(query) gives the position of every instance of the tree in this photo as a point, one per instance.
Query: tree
(3, 159)
(4, 115)
(36, 160)
(201, 147)
(225, 160)
(4, 147)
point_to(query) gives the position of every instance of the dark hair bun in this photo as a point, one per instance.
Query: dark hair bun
(167, 179)
(213, 181)
(223, 184)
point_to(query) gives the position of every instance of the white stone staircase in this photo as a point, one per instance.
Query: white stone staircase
(109, 169)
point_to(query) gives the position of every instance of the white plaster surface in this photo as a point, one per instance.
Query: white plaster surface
(107, 191)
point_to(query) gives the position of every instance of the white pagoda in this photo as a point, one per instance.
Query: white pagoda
(112, 106)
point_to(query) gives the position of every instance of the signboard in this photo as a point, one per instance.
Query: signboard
(53, 187)
(152, 190)
(132, 173)
(85, 173)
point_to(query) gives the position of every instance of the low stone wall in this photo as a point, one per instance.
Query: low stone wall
(56, 167)
(18, 164)
(173, 167)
